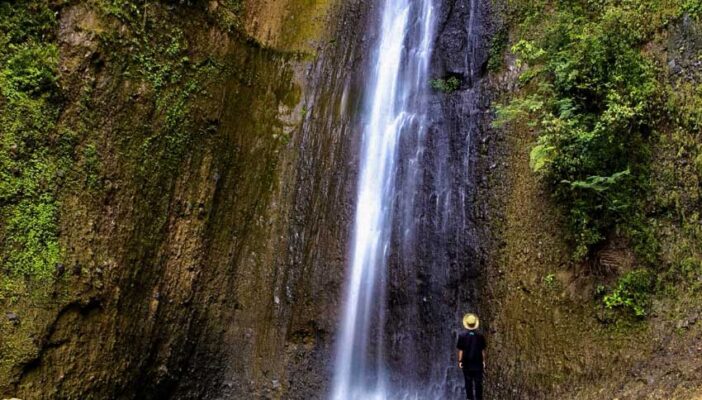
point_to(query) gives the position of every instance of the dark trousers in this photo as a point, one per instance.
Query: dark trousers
(474, 384)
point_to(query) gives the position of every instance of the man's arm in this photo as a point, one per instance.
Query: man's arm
(460, 357)
(484, 358)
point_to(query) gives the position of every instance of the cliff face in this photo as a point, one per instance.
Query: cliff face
(175, 209)
(551, 330)
(203, 204)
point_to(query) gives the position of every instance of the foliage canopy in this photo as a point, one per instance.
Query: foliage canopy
(594, 97)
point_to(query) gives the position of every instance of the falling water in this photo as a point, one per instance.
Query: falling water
(394, 107)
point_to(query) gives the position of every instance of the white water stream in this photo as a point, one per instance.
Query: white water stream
(393, 107)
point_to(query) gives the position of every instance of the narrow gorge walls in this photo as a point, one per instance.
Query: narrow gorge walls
(178, 189)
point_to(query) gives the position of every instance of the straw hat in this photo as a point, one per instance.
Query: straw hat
(471, 321)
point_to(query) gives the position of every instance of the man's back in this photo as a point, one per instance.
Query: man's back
(472, 344)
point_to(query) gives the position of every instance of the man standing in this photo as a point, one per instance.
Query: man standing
(471, 357)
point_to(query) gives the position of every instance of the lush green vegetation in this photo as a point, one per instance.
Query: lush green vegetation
(34, 154)
(632, 292)
(594, 90)
(448, 85)
(594, 97)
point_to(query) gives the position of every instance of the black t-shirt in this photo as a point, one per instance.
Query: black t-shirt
(472, 343)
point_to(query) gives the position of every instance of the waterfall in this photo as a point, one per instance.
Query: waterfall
(394, 106)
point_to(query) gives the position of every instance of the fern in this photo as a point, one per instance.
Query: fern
(541, 155)
(599, 183)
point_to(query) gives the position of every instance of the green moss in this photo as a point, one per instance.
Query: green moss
(304, 21)
(33, 239)
(92, 167)
(33, 153)
(677, 177)
(38, 157)
(155, 53)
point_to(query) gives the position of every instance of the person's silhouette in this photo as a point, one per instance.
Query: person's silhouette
(471, 356)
